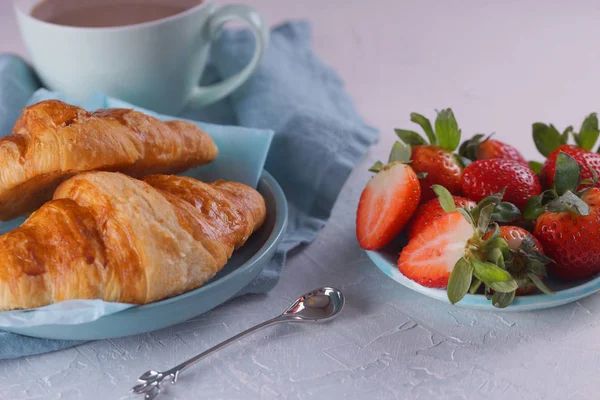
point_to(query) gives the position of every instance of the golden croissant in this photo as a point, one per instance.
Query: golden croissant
(53, 141)
(108, 236)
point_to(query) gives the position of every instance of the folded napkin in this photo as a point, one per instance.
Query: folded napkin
(319, 136)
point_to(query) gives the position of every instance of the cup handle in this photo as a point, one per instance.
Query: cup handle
(203, 95)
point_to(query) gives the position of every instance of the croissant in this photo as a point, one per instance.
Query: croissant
(53, 141)
(108, 236)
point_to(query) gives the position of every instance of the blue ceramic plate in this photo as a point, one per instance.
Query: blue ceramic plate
(244, 265)
(564, 292)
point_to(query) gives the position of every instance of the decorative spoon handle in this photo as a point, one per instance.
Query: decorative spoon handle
(151, 380)
(186, 364)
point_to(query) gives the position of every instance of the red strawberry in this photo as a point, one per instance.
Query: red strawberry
(568, 222)
(485, 177)
(430, 211)
(477, 149)
(585, 159)
(452, 251)
(550, 143)
(388, 202)
(572, 240)
(429, 258)
(435, 160)
(441, 168)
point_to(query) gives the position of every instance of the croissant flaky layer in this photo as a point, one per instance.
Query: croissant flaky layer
(108, 236)
(53, 141)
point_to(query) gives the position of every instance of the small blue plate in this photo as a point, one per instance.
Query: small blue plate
(565, 292)
(242, 268)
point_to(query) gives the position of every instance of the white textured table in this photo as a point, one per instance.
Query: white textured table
(500, 66)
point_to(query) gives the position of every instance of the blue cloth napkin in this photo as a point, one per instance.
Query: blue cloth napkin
(319, 136)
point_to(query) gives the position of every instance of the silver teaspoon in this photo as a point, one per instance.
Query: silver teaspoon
(317, 305)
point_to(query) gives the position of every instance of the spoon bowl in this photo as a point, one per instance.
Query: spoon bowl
(318, 305)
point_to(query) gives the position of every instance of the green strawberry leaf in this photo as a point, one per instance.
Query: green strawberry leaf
(495, 255)
(527, 249)
(446, 129)
(575, 204)
(376, 167)
(504, 286)
(445, 198)
(587, 182)
(460, 280)
(490, 273)
(537, 268)
(422, 175)
(485, 217)
(467, 214)
(503, 300)
(540, 285)
(487, 291)
(426, 125)
(410, 137)
(533, 208)
(468, 149)
(566, 176)
(495, 234)
(569, 202)
(491, 199)
(527, 244)
(475, 285)
(536, 166)
(546, 138)
(555, 132)
(548, 196)
(592, 181)
(400, 153)
(588, 134)
(493, 242)
(505, 212)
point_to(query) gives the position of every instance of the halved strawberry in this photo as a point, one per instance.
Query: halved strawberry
(457, 250)
(478, 148)
(436, 160)
(430, 211)
(388, 202)
(550, 142)
(429, 258)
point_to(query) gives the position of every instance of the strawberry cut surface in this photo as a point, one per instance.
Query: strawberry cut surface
(429, 257)
(386, 205)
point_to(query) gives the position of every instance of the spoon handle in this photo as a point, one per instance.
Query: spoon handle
(175, 371)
